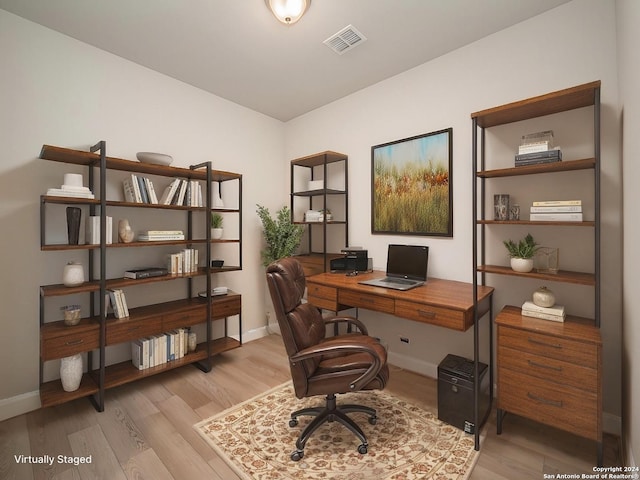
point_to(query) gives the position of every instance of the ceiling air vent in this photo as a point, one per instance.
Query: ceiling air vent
(346, 39)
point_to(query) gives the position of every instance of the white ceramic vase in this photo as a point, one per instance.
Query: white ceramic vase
(216, 233)
(73, 274)
(522, 265)
(543, 297)
(71, 372)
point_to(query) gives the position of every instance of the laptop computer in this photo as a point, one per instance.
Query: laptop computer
(406, 267)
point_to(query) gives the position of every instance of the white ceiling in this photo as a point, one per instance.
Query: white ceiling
(237, 50)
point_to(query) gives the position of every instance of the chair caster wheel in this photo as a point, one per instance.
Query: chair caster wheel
(293, 422)
(373, 420)
(297, 455)
(362, 449)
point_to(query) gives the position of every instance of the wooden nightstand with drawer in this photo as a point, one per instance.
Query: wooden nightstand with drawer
(550, 372)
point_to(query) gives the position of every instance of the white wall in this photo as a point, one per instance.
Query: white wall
(628, 16)
(576, 42)
(56, 90)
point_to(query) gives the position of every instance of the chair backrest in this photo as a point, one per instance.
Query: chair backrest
(301, 324)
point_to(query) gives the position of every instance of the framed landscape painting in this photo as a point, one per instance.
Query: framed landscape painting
(411, 185)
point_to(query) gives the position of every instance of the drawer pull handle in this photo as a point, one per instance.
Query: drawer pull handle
(75, 342)
(540, 365)
(555, 403)
(538, 342)
(426, 313)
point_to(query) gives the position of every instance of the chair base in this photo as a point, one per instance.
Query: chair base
(329, 413)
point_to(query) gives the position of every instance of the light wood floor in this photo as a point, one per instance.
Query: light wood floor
(146, 429)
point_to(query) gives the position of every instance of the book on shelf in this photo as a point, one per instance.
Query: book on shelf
(160, 237)
(535, 147)
(542, 315)
(554, 155)
(557, 310)
(169, 192)
(185, 261)
(137, 273)
(556, 217)
(92, 235)
(556, 203)
(537, 137)
(556, 209)
(152, 233)
(118, 303)
(59, 192)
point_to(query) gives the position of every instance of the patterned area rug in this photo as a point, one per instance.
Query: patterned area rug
(407, 442)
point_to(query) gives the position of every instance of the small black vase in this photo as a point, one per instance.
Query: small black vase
(73, 224)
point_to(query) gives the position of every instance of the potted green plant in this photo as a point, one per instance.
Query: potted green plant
(522, 253)
(281, 235)
(216, 225)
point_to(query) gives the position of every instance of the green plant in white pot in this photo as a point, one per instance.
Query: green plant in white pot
(522, 253)
(216, 225)
(282, 236)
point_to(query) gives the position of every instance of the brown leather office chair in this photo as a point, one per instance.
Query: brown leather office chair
(321, 365)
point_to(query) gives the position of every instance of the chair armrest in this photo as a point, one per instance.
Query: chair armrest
(346, 345)
(351, 321)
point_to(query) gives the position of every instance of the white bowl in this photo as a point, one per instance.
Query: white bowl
(155, 158)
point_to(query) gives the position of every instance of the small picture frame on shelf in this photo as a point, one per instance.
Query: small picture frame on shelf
(501, 207)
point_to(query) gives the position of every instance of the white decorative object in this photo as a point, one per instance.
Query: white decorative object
(543, 297)
(192, 342)
(522, 265)
(216, 233)
(125, 232)
(217, 199)
(73, 274)
(155, 158)
(316, 184)
(73, 180)
(71, 372)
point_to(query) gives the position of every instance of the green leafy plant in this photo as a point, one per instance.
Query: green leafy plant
(525, 248)
(281, 235)
(216, 220)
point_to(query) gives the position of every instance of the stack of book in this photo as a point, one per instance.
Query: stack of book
(93, 230)
(137, 273)
(160, 235)
(139, 189)
(118, 303)
(159, 349)
(555, 313)
(70, 191)
(183, 192)
(536, 148)
(185, 261)
(556, 211)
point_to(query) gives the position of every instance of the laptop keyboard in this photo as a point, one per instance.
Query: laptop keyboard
(398, 281)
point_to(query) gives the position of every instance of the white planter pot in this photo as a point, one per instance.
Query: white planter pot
(522, 265)
(71, 372)
(216, 233)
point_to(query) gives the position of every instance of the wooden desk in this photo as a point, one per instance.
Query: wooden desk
(445, 303)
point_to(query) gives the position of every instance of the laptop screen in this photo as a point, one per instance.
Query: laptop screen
(408, 261)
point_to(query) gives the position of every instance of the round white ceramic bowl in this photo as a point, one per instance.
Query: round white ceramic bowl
(155, 158)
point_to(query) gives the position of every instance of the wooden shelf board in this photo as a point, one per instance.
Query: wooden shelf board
(125, 372)
(529, 222)
(555, 102)
(571, 165)
(319, 159)
(51, 393)
(563, 276)
(319, 192)
(78, 157)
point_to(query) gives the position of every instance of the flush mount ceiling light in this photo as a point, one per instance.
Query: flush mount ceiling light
(288, 11)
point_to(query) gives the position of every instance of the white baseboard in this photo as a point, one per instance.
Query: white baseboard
(23, 403)
(255, 334)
